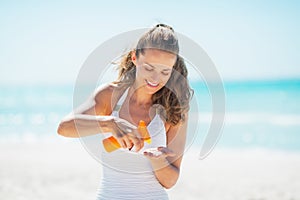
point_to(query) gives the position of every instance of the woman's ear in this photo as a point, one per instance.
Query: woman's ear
(133, 57)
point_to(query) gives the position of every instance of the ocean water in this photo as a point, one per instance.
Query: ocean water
(264, 114)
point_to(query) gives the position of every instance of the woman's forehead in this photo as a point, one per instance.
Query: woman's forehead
(158, 58)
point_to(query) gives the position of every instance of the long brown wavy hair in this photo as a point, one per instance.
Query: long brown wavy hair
(173, 99)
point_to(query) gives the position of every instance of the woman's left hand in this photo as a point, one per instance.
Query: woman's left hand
(157, 157)
(158, 153)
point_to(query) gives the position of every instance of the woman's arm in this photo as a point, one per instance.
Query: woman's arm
(80, 125)
(93, 117)
(167, 166)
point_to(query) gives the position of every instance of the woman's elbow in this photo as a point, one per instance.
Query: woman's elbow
(61, 129)
(170, 184)
(66, 129)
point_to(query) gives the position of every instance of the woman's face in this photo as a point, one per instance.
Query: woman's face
(153, 69)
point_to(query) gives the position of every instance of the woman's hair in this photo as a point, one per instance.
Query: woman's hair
(172, 99)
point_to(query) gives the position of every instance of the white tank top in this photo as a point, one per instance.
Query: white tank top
(128, 175)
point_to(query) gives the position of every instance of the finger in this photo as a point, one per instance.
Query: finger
(127, 141)
(155, 156)
(134, 137)
(166, 151)
(131, 146)
(122, 138)
(138, 143)
(149, 154)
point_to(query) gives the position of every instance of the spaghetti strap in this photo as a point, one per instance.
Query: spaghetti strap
(121, 100)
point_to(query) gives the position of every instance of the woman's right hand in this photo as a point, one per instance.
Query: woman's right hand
(126, 134)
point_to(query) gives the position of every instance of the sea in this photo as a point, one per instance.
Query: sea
(257, 114)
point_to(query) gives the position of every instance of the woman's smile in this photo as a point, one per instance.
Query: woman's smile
(152, 84)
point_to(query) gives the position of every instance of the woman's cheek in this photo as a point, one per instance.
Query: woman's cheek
(140, 75)
(165, 79)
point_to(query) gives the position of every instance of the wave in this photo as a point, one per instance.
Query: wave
(233, 118)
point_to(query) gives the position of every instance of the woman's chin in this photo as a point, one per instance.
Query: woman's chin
(151, 89)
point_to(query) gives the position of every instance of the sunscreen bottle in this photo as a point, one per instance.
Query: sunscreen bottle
(111, 144)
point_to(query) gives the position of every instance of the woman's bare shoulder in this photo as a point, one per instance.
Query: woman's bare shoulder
(107, 91)
(107, 95)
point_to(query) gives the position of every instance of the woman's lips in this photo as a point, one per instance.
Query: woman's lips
(154, 85)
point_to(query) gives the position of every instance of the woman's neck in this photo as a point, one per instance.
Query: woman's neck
(139, 97)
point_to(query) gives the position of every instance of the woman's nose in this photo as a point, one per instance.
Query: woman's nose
(155, 77)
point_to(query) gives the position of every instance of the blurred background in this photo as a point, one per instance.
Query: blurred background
(254, 46)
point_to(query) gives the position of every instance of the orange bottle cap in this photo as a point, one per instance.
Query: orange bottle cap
(142, 123)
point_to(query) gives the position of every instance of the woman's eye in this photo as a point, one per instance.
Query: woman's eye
(148, 69)
(165, 73)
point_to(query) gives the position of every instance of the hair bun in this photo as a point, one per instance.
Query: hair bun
(165, 26)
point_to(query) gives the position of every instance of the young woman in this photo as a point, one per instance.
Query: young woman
(153, 87)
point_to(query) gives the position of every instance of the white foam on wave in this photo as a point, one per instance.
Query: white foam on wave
(32, 118)
(11, 119)
(8, 102)
(37, 119)
(235, 118)
(31, 137)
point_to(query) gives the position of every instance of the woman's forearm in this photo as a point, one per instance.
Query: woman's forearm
(80, 125)
(166, 173)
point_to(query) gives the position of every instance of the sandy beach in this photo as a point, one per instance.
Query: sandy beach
(64, 170)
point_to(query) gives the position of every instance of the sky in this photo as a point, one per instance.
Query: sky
(48, 42)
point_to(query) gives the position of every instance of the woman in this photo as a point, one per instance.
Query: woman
(153, 87)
